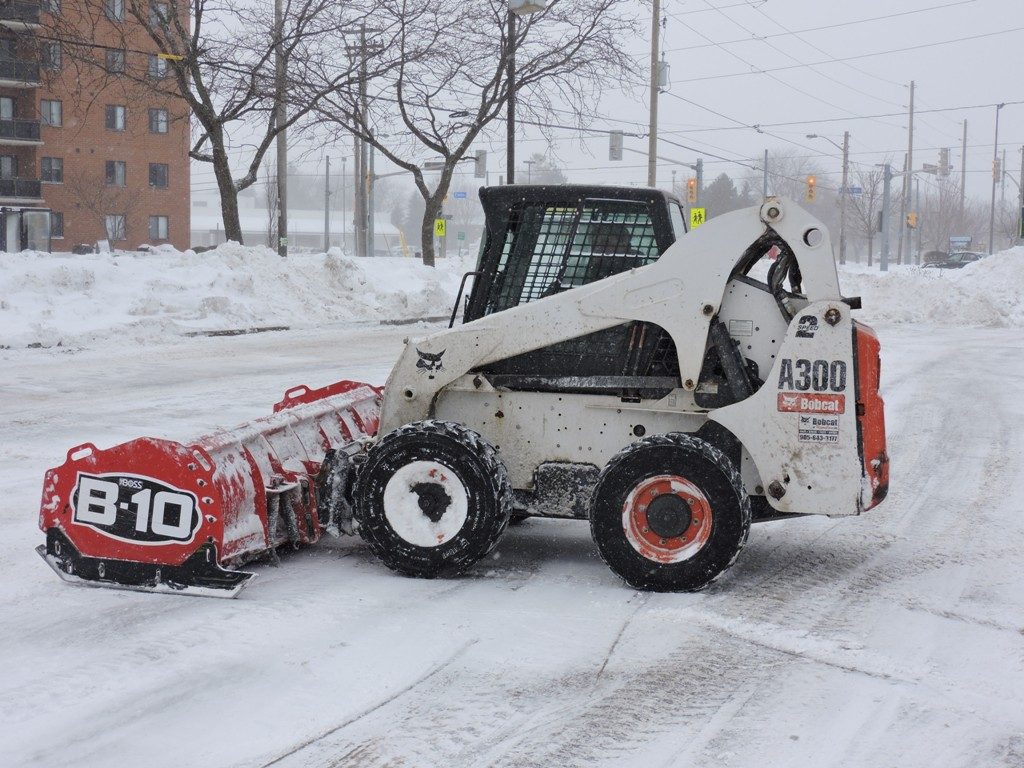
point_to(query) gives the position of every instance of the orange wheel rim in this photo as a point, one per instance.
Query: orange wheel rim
(667, 519)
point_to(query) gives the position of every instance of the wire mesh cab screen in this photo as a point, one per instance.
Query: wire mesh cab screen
(551, 248)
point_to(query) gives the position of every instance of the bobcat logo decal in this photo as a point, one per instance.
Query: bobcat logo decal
(430, 362)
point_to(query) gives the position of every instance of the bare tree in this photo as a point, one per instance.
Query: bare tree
(865, 208)
(102, 199)
(213, 59)
(447, 80)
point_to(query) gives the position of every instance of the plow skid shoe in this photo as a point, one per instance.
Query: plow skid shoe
(162, 516)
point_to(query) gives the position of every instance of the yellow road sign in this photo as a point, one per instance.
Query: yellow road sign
(697, 217)
(440, 227)
(170, 57)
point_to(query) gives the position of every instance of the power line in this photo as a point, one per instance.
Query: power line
(853, 58)
(757, 38)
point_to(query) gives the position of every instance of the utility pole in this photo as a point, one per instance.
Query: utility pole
(281, 118)
(344, 223)
(765, 182)
(510, 122)
(883, 261)
(963, 174)
(907, 180)
(363, 244)
(699, 168)
(371, 181)
(327, 206)
(842, 198)
(992, 208)
(919, 222)
(1020, 207)
(1002, 180)
(905, 189)
(652, 137)
(357, 180)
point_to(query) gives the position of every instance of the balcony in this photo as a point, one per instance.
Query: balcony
(19, 74)
(19, 132)
(21, 190)
(19, 15)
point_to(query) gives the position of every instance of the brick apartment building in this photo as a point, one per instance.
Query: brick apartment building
(87, 153)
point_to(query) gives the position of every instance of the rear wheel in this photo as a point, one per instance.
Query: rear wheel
(432, 498)
(669, 513)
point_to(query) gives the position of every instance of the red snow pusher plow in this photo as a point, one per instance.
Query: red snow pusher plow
(157, 515)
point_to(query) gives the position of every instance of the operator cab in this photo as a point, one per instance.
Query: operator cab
(545, 239)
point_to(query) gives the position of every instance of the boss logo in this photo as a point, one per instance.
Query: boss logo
(812, 376)
(137, 509)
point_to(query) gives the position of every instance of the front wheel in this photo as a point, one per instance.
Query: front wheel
(432, 498)
(669, 513)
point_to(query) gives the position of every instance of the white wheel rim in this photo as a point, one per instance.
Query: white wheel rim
(402, 504)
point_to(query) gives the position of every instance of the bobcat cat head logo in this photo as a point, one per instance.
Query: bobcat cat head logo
(430, 362)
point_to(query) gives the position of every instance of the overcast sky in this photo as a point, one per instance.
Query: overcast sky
(706, 41)
(820, 65)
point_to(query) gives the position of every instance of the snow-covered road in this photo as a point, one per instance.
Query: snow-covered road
(896, 639)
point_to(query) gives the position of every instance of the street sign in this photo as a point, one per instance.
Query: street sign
(615, 145)
(697, 217)
(462, 235)
(853, 191)
(959, 243)
(433, 165)
(440, 227)
(460, 195)
(929, 168)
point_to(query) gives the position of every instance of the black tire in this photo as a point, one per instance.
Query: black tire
(704, 476)
(401, 532)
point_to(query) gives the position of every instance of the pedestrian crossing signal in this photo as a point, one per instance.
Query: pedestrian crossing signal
(812, 190)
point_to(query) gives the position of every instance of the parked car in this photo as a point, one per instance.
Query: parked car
(957, 260)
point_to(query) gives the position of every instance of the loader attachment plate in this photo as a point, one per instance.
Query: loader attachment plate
(199, 575)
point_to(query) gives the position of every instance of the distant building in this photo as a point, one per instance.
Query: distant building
(87, 157)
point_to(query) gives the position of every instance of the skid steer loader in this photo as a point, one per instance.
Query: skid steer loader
(669, 387)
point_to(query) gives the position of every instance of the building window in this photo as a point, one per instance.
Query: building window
(114, 9)
(157, 227)
(56, 224)
(51, 6)
(8, 167)
(116, 173)
(157, 67)
(158, 121)
(115, 62)
(115, 117)
(116, 229)
(51, 113)
(6, 108)
(159, 14)
(49, 56)
(158, 175)
(53, 170)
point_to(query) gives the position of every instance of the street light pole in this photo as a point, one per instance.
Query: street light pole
(992, 208)
(510, 123)
(883, 261)
(652, 136)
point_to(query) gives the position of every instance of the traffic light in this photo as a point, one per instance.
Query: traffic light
(997, 169)
(691, 191)
(912, 220)
(615, 145)
(943, 163)
(480, 164)
(812, 190)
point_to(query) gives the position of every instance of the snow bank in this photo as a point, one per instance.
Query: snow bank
(989, 292)
(82, 300)
(50, 298)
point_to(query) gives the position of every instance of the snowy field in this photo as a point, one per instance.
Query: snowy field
(895, 639)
